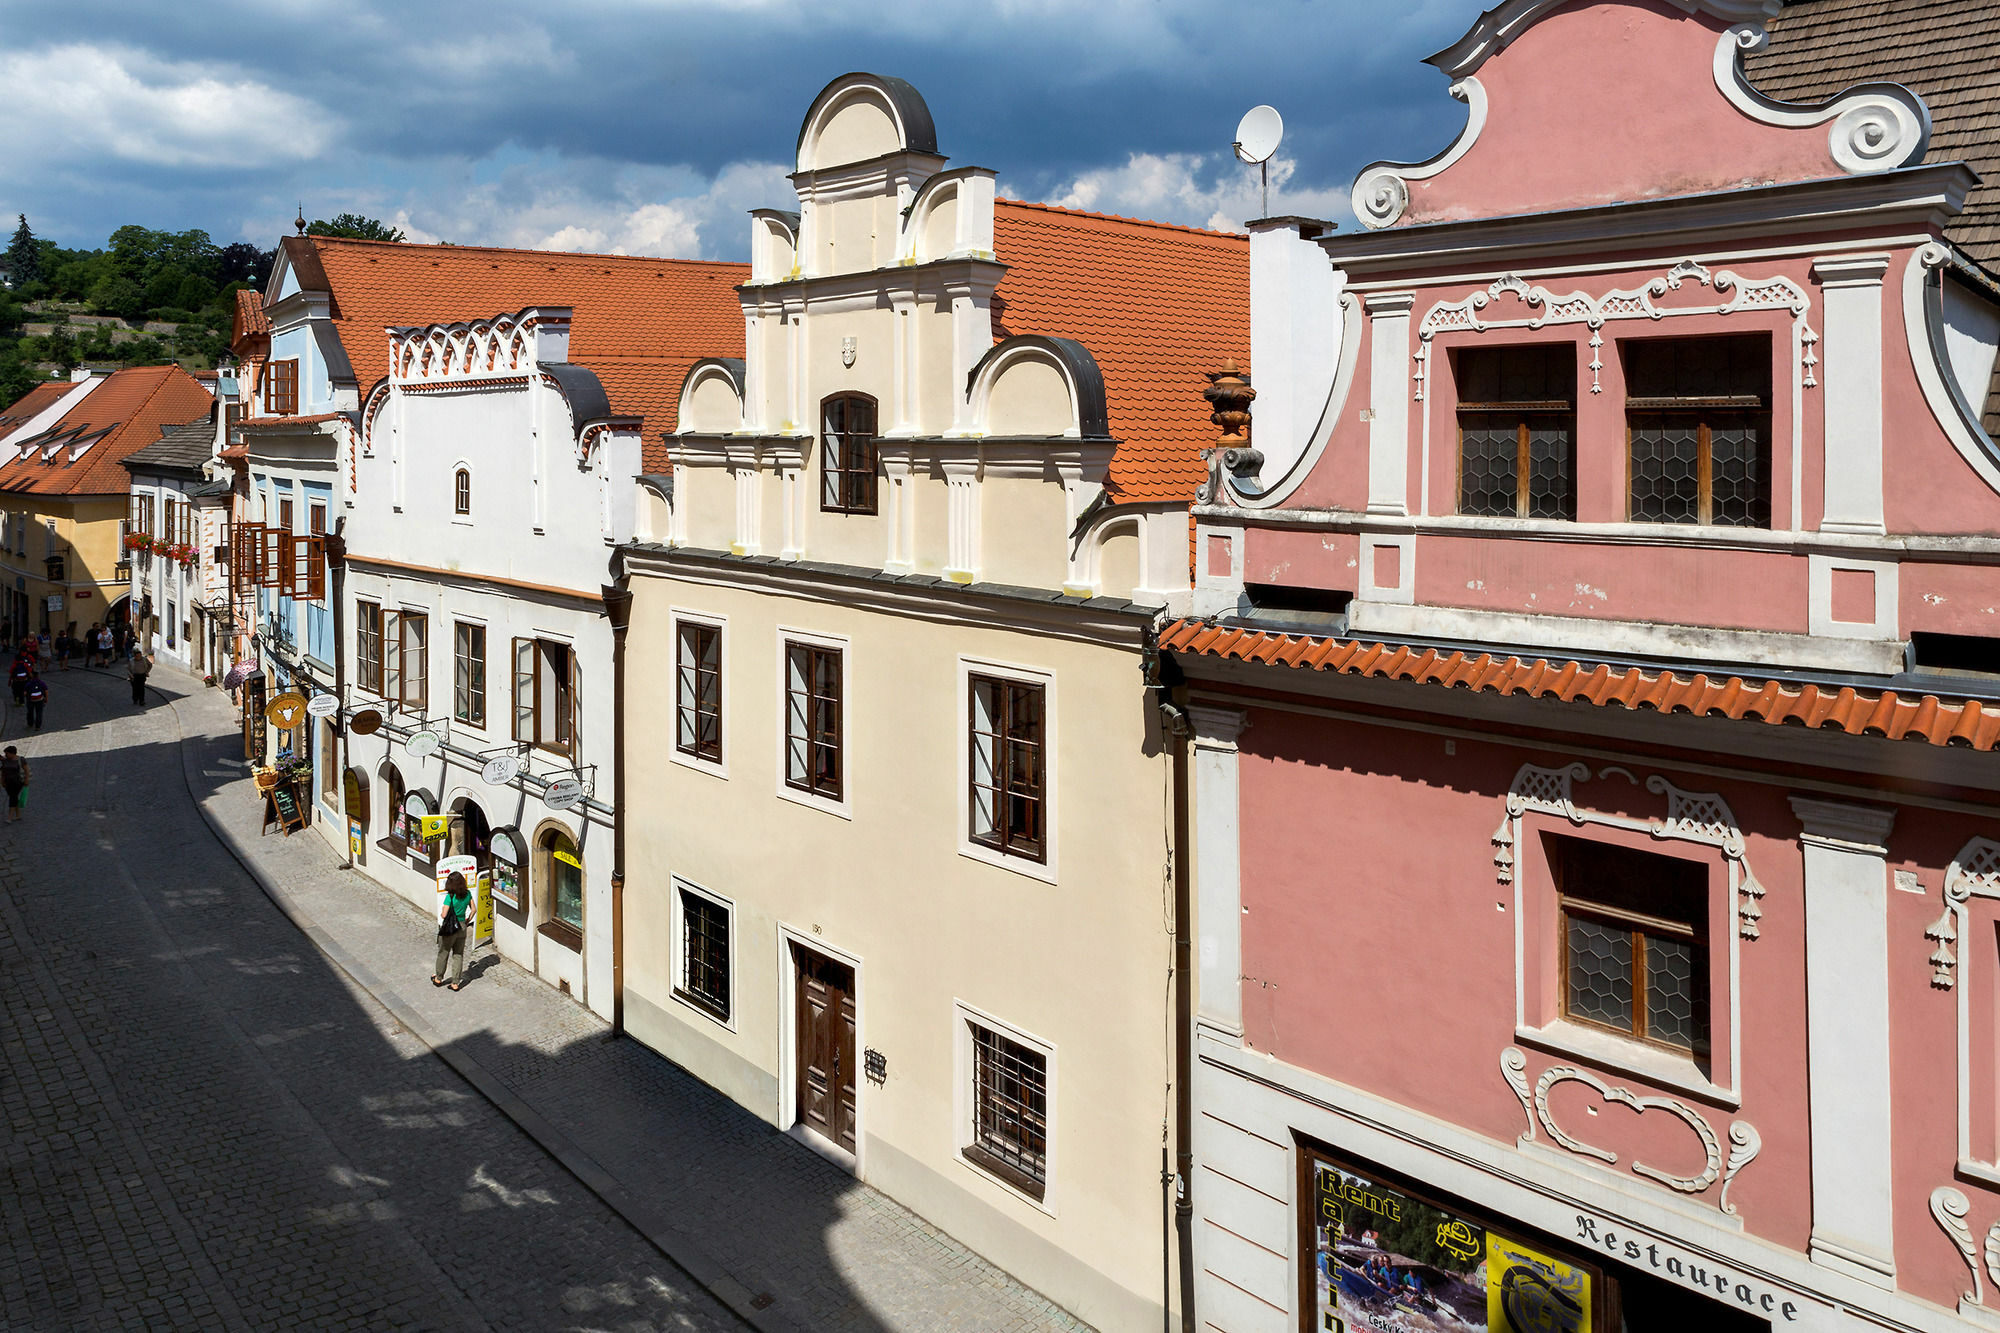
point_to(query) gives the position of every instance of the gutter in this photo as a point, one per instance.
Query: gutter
(618, 607)
(1177, 1181)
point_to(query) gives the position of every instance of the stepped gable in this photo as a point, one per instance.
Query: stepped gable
(132, 408)
(639, 323)
(1158, 306)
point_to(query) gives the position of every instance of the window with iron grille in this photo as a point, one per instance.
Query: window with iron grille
(1007, 781)
(468, 673)
(847, 454)
(281, 388)
(698, 691)
(1010, 1110)
(1517, 431)
(1634, 942)
(704, 979)
(1698, 419)
(368, 647)
(813, 719)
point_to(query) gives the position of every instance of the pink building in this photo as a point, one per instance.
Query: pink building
(1595, 679)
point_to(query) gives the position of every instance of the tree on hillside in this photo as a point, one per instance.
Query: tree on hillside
(357, 227)
(245, 263)
(24, 256)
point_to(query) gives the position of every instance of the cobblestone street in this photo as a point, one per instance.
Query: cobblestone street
(211, 1124)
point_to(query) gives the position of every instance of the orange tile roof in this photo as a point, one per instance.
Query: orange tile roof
(639, 323)
(251, 321)
(1962, 722)
(35, 401)
(1158, 305)
(135, 404)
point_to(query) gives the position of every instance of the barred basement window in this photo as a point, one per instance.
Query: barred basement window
(1698, 419)
(705, 953)
(1010, 1111)
(698, 691)
(1517, 431)
(1634, 942)
(812, 719)
(847, 454)
(1008, 767)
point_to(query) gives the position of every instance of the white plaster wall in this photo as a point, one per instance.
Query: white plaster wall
(1971, 339)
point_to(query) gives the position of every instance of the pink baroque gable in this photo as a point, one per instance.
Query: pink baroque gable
(1580, 103)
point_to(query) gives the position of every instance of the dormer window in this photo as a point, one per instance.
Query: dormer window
(281, 388)
(1698, 417)
(847, 455)
(1517, 431)
(461, 491)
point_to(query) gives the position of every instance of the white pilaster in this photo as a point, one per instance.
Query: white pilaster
(962, 511)
(1218, 871)
(1389, 402)
(1851, 370)
(1847, 1036)
(749, 512)
(901, 509)
(792, 479)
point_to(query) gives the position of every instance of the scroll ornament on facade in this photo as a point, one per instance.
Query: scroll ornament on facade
(1949, 1208)
(1701, 817)
(1745, 1141)
(1230, 395)
(1975, 871)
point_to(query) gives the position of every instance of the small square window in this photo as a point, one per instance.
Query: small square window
(704, 941)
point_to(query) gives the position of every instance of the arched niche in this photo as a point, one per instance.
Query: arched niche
(1033, 386)
(859, 117)
(712, 397)
(952, 215)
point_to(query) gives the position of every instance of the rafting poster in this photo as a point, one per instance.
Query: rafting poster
(1390, 1263)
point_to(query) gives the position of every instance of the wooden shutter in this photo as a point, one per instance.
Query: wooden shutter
(315, 567)
(524, 689)
(245, 547)
(572, 687)
(271, 560)
(298, 562)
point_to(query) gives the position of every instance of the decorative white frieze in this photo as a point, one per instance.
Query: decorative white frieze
(1974, 872)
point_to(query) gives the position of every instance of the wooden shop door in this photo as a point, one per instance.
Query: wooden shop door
(824, 1058)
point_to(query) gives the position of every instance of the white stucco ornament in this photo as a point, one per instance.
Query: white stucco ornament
(501, 770)
(562, 794)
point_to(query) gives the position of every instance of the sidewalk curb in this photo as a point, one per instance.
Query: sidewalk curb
(671, 1241)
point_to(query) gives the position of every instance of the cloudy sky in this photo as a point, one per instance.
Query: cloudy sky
(649, 126)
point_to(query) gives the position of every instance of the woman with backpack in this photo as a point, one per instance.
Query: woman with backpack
(19, 675)
(454, 916)
(14, 779)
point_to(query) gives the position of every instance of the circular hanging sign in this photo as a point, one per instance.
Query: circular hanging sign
(286, 709)
(422, 743)
(501, 770)
(419, 803)
(323, 705)
(365, 723)
(562, 794)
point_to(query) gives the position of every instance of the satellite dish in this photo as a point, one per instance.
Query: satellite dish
(1258, 133)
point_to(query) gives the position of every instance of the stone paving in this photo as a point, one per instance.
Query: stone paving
(215, 1126)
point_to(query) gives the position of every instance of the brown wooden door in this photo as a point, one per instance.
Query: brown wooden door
(825, 1055)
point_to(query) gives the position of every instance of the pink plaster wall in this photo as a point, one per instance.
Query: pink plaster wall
(1949, 599)
(1611, 101)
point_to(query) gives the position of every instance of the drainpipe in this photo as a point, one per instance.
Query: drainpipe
(1177, 1181)
(618, 607)
(336, 569)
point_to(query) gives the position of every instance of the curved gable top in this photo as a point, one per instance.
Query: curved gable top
(870, 116)
(1662, 80)
(711, 396)
(1083, 382)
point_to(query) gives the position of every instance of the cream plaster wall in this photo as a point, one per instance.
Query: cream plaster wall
(859, 130)
(714, 407)
(930, 509)
(1118, 561)
(936, 392)
(710, 505)
(1080, 964)
(1030, 397)
(1022, 536)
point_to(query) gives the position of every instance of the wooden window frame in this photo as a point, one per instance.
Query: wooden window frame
(832, 791)
(688, 708)
(1524, 409)
(368, 668)
(715, 1006)
(1004, 842)
(1756, 406)
(982, 1039)
(420, 703)
(848, 486)
(281, 387)
(468, 704)
(564, 715)
(1643, 928)
(245, 552)
(461, 491)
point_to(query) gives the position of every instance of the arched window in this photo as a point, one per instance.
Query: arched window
(847, 454)
(562, 880)
(461, 491)
(396, 833)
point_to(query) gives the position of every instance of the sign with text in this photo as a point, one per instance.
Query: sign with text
(422, 744)
(563, 793)
(484, 931)
(285, 710)
(322, 705)
(1638, 1249)
(501, 770)
(366, 722)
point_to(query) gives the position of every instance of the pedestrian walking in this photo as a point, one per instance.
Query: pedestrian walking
(38, 695)
(64, 646)
(453, 918)
(137, 670)
(104, 645)
(14, 779)
(19, 675)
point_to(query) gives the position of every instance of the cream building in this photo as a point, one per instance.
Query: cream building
(900, 821)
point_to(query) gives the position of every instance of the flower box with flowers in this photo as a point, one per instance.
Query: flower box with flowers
(138, 541)
(161, 548)
(183, 553)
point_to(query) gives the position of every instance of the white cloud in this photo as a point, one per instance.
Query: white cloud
(1198, 190)
(82, 101)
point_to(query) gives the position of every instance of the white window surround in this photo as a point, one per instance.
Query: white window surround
(842, 807)
(675, 620)
(472, 506)
(677, 944)
(1540, 800)
(964, 1018)
(968, 667)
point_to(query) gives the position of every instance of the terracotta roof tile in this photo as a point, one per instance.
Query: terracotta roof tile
(36, 400)
(134, 406)
(1926, 718)
(251, 321)
(1158, 305)
(639, 323)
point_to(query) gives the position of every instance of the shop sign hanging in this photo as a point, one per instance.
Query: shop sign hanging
(323, 705)
(422, 744)
(508, 854)
(284, 711)
(366, 722)
(562, 794)
(501, 770)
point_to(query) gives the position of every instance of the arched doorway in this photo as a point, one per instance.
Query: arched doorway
(471, 835)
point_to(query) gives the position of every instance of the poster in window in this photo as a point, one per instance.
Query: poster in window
(506, 850)
(1386, 1262)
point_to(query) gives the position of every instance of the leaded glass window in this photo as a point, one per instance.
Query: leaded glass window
(1634, 942)
(1517, 431)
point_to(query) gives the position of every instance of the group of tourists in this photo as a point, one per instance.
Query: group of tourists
(24, 678)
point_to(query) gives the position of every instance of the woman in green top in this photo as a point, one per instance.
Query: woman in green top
(455, 915)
